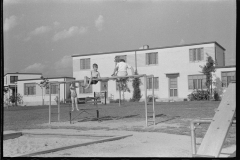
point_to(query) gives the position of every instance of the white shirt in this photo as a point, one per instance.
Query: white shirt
(122, 66)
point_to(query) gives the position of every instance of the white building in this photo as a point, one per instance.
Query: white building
(175, 68)
(10, 82)
(33, 94)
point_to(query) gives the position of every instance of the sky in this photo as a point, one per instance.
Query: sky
(40, 36)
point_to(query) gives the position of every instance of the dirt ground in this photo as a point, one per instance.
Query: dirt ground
(142, 142)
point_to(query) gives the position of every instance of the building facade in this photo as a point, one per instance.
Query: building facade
(32, 94)
(10, 83)
(176, 69)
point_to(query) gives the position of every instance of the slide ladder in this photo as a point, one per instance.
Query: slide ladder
(215, 136)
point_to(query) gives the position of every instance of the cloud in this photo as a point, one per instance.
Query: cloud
(99, 22)
(72, 31)
(63, 67)
(182, 42)
(65, 62)
(10, 23)
(40, 30)
(56, 24)
(36, 67)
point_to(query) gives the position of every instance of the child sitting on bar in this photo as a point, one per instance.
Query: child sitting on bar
(121, 71)
(73, 96)
(94, 75)
(121, 68)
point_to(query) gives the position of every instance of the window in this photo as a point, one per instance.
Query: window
(54, 89)
(197, 82)
(83, 90)
(85, 63)
(227, 77)
(29, 89)
(173, 87)
(196, 54)
(151, 58)
(149, 83)
(13, 79)
(117, 58)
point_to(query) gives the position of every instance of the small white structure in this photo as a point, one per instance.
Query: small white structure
(175, 68)
(222, 77)
(33, 94)
(10, 83)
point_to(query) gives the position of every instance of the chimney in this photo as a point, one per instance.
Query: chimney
(144, 47)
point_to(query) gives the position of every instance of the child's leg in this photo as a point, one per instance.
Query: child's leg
(72, 98)
(76, 103)
(85, 81)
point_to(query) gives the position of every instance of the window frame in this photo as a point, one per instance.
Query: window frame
(156, 83)
(227, 76)
(196, 54)
(149, 58)
(13, 79)
(52, 89)
(83, 64)
(31, 86)
(197, 82)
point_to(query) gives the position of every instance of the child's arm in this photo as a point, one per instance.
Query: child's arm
(115, 69)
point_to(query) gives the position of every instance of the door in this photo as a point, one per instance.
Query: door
(173, 88)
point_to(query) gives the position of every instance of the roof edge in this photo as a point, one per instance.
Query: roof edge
(149, 49)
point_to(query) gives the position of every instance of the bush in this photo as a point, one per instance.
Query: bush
(149, 98)
(199, 95)
(216, 96)
(136, 89)
(19, 98)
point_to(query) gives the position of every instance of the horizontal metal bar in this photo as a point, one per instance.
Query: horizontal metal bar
(106, 78)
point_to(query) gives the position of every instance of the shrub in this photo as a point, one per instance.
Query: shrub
(19, 98)
(199, 95)
(136, 89)
(216, 96)
(149, 98)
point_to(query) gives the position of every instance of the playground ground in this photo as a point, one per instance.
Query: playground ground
(170, 137)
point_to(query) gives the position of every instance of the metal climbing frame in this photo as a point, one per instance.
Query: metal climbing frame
(112, 78)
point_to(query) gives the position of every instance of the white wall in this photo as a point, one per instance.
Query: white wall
(170, 60)
(37, 99)
(219, 56)
(20, 76)
(217, 79)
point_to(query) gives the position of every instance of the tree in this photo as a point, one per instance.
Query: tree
(136, 89)
(207, 70)
(44, 84)
(5, 90)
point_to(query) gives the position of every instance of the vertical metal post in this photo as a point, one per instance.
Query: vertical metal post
(105, 97)
(58, 102)
(193, 139)
(145, 88)
(49, 103)
(15, 93)
(119, 93)
(153, 97)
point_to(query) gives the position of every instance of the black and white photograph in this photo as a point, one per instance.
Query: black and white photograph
(119, 78)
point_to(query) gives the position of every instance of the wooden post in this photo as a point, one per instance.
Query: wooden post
(58, 102)
(145, 88)
(49, 103)
(153, 97)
